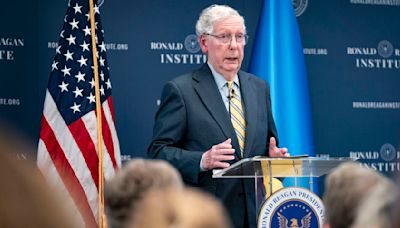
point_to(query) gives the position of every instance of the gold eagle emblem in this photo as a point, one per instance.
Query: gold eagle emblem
(284, 222)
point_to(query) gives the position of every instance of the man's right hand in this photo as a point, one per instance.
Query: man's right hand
(215, 157)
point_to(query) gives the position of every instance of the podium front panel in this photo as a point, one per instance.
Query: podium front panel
(268, 174)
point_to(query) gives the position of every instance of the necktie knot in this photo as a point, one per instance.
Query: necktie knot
(229, 84)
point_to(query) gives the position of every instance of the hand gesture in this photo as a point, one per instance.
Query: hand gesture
(276, 152)
(215, 157)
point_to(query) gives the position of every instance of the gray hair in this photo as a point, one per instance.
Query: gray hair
(212, 14)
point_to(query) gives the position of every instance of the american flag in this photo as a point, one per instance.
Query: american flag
(67, 150)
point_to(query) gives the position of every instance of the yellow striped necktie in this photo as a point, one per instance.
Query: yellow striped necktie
(237, 116)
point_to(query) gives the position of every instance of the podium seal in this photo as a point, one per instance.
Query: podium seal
(292, 207)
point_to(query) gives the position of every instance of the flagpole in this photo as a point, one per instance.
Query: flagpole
(102, 221)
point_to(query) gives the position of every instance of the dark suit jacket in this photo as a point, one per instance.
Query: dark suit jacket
(192, 118)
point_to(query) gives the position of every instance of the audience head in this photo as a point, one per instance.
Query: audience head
(345, 188)
(375, 210)
(188, 208)
(395, 209)
(130, 185)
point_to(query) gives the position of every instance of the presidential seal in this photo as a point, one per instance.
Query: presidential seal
(292, 207)
(388, 152)
(385, 49)
(192, 43)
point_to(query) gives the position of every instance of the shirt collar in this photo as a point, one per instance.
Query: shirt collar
(220, 80)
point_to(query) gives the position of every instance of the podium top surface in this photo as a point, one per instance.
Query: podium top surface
(280, 167)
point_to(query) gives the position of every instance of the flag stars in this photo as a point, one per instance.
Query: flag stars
(62, 34)
(102, 75)
(96, 9)
(68, 55)
(74, 24)
(71, 39)
(75, 107)
(78, 92)
(88, 16)
(66, 71)
(58, 50)
(108, 83)
(80, 77)
(54, 65)
(87, 31)
(91, 98)
(77, 8)
(102, 90)
(85, 46)
(92, 83)
(82, 61)
(63, 87)
(102, 61)
(102, 47)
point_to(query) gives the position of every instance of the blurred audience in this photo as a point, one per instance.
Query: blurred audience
(25, 197)
(188, 208)
(375, 210)
(395, 209)
(131, 184)
(345, 189)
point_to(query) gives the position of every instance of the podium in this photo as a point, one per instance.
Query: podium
(265, 170)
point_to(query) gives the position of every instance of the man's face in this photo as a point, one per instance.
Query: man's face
(226, 58)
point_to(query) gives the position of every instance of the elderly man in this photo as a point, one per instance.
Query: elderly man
(216, 115)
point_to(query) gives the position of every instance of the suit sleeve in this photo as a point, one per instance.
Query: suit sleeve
(169, 133)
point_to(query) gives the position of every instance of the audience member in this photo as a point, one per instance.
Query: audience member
(374, 211)
(395, 209)
(189, 208)
(345, 188)
(130, 185)
(25, 197)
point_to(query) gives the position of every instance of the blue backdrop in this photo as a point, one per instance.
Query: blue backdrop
(352, 56)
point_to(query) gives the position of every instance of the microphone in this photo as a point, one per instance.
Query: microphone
(231, 94)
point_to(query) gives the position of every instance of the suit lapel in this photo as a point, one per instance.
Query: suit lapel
(250, 105)
(208, 92)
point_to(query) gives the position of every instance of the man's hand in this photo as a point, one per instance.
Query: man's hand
(215, 157)
(276, 152)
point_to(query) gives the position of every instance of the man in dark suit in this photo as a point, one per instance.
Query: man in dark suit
(216, 115)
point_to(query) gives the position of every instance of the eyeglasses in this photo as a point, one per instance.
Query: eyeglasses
(227, 38)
